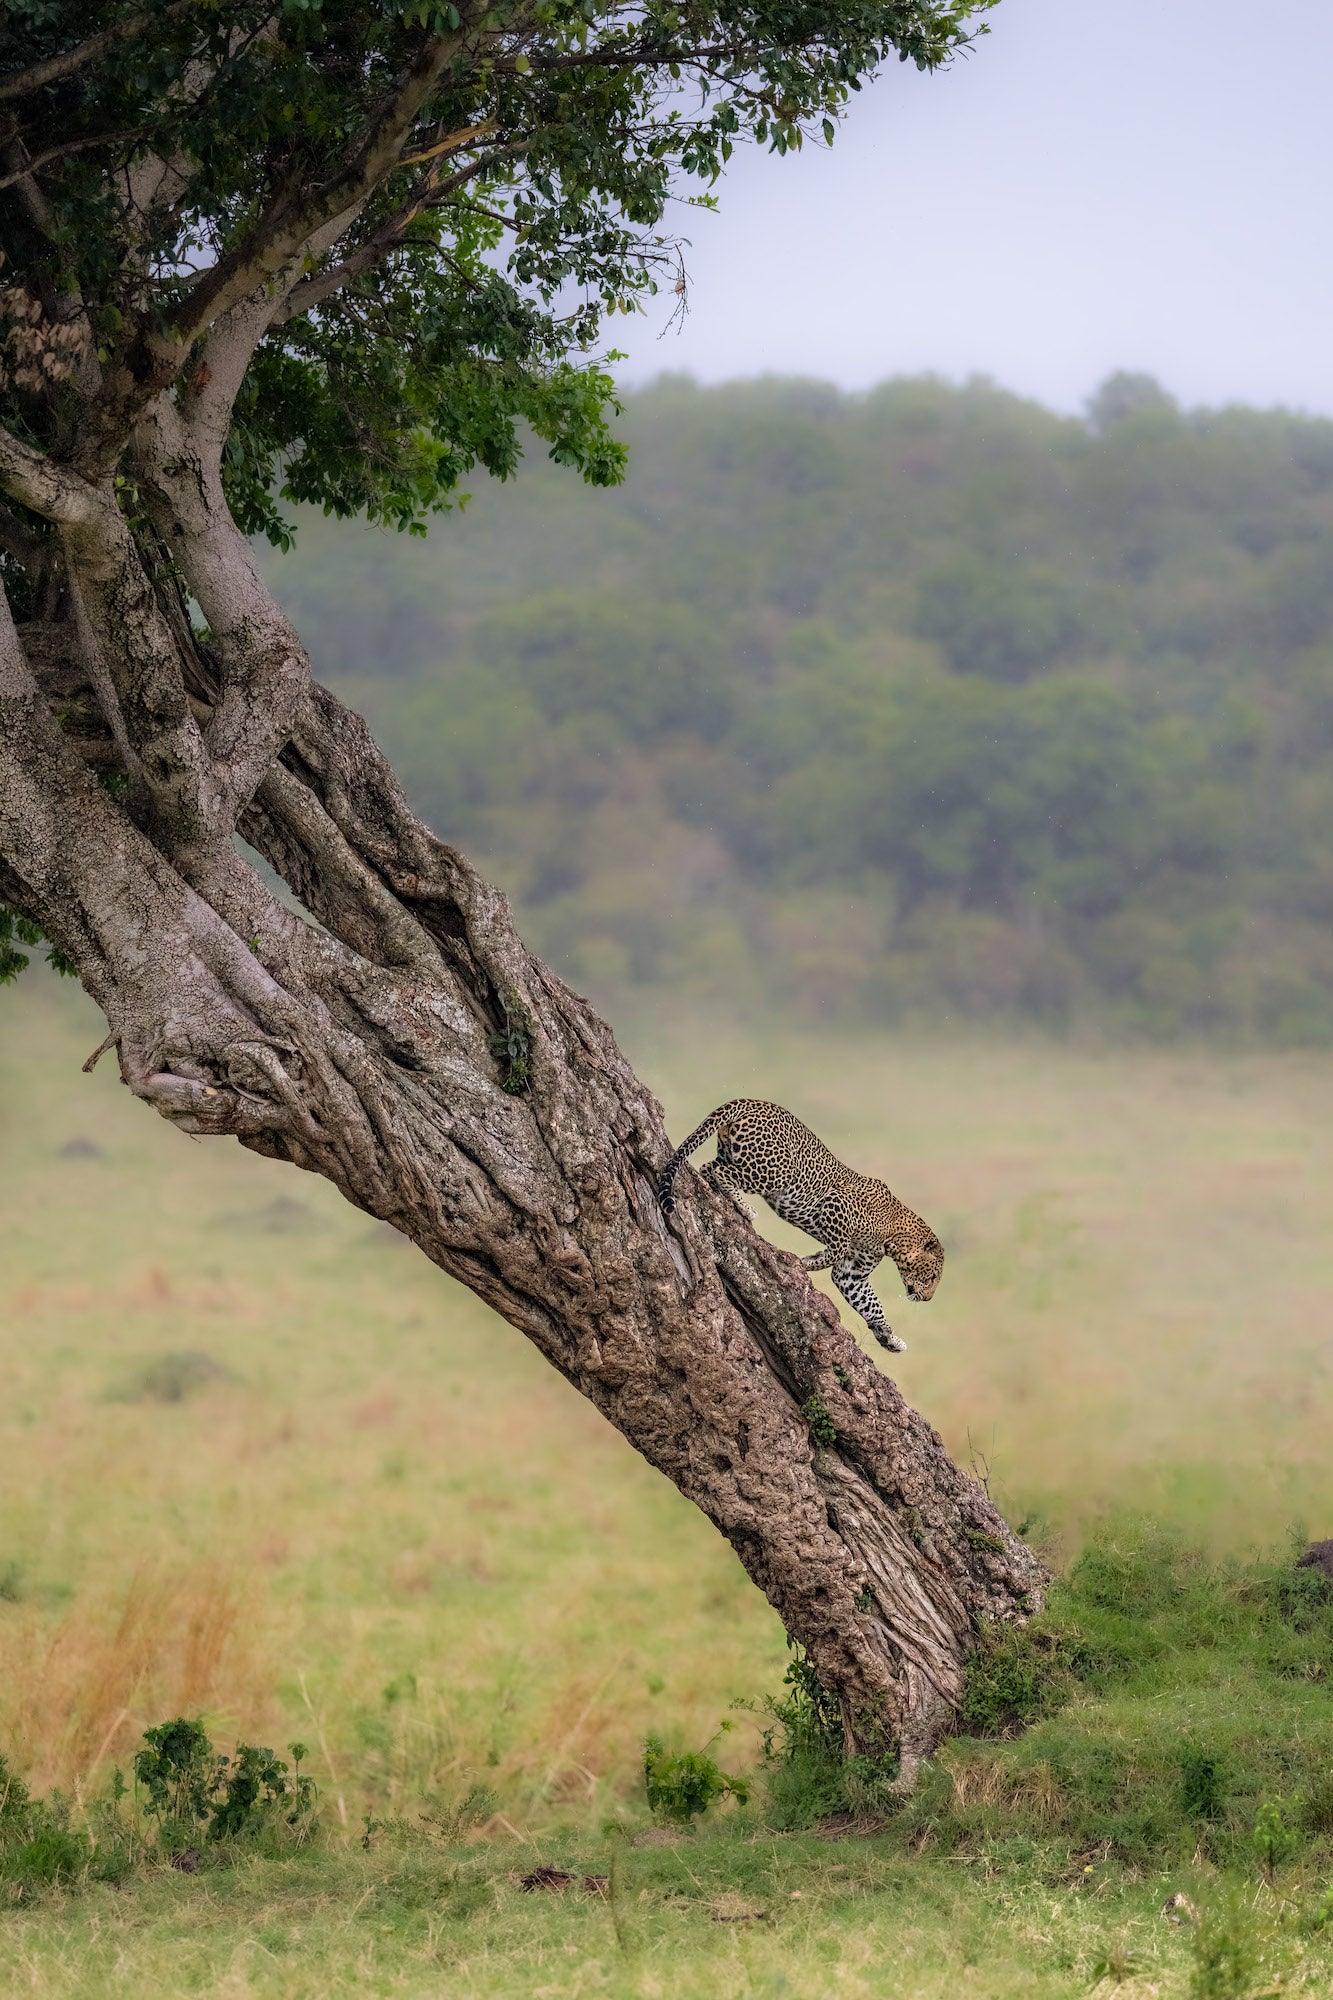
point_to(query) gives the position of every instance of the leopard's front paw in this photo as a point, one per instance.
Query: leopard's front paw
(888, 1338)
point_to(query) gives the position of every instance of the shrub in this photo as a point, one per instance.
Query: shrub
(1274, 1839)
(1013, 1676)
(681, 1788)
(807, 1772)
(190, 1789)
(1226, 1953)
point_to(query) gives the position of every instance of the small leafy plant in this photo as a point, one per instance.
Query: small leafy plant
(1274, 1839)
(682, 1787)
(512, 1046)
(191, 1790)
(819, 1422)
(1227, 1956)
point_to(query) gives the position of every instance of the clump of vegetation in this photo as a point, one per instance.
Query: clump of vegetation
(808, 1774)
(1202, 1783)
(42, 1846)
(512, 1046)
(819, 1422)
(188, 1794)
(1226, 1756)
(1228, 1955)
(682, 1786)
(192, 1792)
(1013, 1677)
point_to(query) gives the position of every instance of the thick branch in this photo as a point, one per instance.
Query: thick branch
(22, 82)
(298, 212)
(145, 667)
(265, 671)
(430, 193)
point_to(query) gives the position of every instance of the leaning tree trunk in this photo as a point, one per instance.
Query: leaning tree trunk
(406, 1046)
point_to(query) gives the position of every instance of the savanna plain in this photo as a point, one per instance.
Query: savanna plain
(264, 1466)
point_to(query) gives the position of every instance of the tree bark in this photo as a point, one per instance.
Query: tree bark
(373, 1045)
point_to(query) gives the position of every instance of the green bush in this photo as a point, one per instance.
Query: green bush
(682, 1787)
(190, 1790)
(1228, 1958)
(1013, 1677)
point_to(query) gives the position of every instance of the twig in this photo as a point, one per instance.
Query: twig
(319, 1730)
(112, 1041)
(105, 1743)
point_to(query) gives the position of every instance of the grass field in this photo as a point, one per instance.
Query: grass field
(260, 1462)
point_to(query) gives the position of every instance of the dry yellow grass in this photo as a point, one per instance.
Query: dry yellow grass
(385, 1527)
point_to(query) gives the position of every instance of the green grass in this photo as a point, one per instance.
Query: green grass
(259, 1462)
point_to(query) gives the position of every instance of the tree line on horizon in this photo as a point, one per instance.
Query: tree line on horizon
(916, 703)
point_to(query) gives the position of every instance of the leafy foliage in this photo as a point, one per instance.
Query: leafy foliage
(15, 931)
(188, 1788)
(682, 1786)
(462, 298)
(819, 1422)
(807, 1773)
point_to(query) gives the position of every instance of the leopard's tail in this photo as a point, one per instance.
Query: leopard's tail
(667, 1200)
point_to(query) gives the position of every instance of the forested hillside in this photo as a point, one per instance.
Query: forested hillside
(914, 702)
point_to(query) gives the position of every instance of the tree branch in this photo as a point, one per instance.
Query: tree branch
(265, 670)
(53, 491)
(145, 667)
(20, 83)
(63, 152)
(294, 217)
(429, 193)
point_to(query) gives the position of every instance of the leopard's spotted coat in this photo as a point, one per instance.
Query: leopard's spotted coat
(762, 1149)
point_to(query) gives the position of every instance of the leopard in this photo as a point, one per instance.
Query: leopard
(858, 1221)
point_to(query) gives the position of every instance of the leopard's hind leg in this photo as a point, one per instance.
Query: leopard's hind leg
(852, 1278)
(818, 1260)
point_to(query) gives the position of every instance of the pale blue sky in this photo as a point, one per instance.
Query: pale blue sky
(1101, 184)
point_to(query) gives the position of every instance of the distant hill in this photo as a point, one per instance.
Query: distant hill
(919, 701)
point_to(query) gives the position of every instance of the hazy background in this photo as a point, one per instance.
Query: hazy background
(1103, 184)
(924, 704)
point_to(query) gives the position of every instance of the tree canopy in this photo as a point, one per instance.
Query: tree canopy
(470, 194)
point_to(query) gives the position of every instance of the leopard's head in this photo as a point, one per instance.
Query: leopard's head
(919, 1255)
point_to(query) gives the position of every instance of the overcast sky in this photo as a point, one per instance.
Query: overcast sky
(1100, 184)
